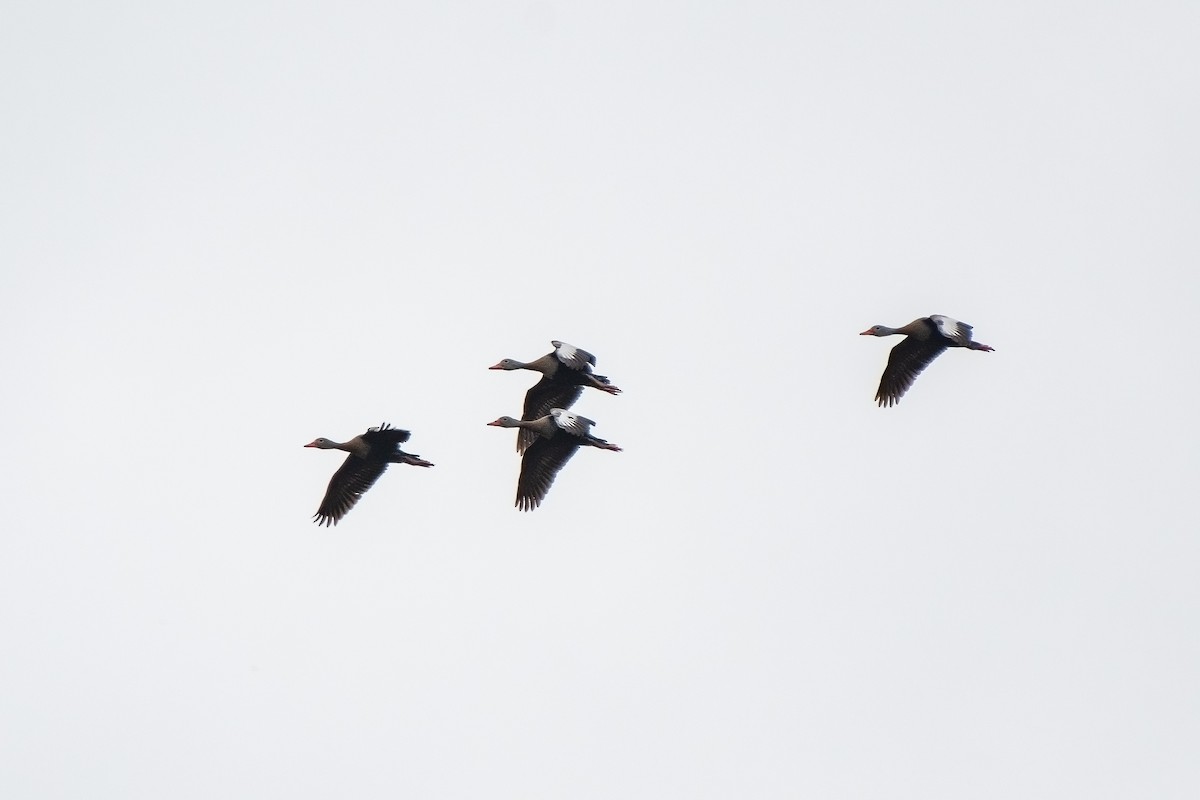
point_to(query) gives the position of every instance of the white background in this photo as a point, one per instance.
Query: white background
(228, 228)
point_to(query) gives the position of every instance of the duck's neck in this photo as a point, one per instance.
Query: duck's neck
(356, 446)
(546, 365)
(545, 426)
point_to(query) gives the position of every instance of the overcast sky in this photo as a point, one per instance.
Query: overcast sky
(229, 228)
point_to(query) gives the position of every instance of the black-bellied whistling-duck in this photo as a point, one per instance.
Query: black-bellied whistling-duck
(370, 454)
(556, 438)
(925, 339)
(564, 374)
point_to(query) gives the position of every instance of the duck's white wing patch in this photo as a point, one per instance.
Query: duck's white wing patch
(952, 328)
(572, 423)
(572, 356)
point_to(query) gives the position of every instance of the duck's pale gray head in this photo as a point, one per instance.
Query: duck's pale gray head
(508, 363)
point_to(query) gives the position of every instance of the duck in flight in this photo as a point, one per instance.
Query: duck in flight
(924, 340)
(557, 436)
(370, 454)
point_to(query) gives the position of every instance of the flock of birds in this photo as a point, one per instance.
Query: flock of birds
(548, 434)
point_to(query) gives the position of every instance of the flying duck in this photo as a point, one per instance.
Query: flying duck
(556, 438)
(925, 339)
(370, 454)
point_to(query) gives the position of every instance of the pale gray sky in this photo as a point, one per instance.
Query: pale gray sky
(228, 228)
